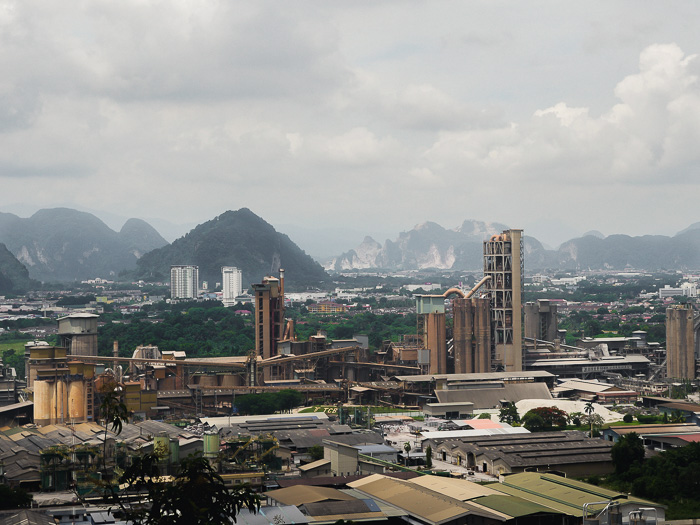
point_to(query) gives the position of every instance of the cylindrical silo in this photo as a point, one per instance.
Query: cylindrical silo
(76, 400)
(42, 402)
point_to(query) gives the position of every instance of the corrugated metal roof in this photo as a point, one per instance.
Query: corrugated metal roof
(460, 489)
(301, 494)
(425, 504)
(512, 505)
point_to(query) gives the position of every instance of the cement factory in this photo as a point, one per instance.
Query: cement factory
(474, 351)
(474, 337)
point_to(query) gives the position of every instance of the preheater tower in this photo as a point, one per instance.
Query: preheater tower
(503, 262)
(680, 342)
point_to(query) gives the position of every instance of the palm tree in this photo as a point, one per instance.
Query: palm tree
(589, 410)
(407, 448)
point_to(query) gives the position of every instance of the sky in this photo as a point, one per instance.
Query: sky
(336, 120)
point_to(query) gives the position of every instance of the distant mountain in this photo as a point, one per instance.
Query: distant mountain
(593, 233)
(14, 277)
(62, 244)
(428, 245)
(235, 238)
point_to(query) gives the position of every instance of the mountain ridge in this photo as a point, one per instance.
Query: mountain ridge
(235, 238)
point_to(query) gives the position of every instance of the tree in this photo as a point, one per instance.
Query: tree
(589, 409)
(14, 498)
(626, 452)
(629, 418)
(315, 452)
(113, 412)
(509, 414)
(196, 496)
(429, 457)
(407, 448)
(545, 418)
(485, 415)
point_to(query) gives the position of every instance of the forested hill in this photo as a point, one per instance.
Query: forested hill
(235, 238)
(14, 276)
(62, 244)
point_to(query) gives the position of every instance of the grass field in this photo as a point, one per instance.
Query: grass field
(16, 344)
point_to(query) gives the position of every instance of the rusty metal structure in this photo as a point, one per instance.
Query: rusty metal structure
(503, 262)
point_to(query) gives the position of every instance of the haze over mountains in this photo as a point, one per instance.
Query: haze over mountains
(66, 245)
(429, 245)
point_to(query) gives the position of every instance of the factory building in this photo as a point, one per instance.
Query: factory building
(472, 335)
(78, 334)
(232, 282)
(184, 281)
(541, 320)
(680, 342)
(269, 317)
(63, 389)
(503, 262)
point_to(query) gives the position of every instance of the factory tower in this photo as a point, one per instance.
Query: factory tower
(503, 262)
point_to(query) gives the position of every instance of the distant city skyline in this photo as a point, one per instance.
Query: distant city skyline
(368, 118)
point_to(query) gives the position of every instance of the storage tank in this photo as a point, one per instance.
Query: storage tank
(76, 400)
(161, 444)
(211, 445)
(207, 381)
(42, 402)
(174, 450)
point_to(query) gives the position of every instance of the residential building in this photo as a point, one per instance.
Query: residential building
(184, 281)
(232, 281)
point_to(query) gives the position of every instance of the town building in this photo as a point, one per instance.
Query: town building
(184, 281)
(232, 282)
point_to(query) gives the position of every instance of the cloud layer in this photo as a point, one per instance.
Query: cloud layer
(380, 115)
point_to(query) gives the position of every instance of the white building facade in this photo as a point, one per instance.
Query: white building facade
(232, 281)
(184, 281)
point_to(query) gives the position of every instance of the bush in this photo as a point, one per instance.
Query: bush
(628, 418)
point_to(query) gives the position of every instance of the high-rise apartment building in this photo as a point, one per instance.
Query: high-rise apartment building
(503, 262)
(680, 342)
(232, 280)
(184, 281)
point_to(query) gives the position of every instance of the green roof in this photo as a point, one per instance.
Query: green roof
(513, 505)
(562, 494)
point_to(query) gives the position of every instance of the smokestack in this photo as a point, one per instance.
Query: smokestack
(282, 285)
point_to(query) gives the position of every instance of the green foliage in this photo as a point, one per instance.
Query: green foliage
(545, 418)
(671, 477)
(207, 329)
(509, 414)
(484, 416)
(196, 496)
(268, 402)
(628, 418)
(14, 359)
(11, 498)
(628, 451)
(315, 452)
(647, 419)
(429, 457)
(75, 300)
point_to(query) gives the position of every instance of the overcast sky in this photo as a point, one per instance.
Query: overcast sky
(556, 117)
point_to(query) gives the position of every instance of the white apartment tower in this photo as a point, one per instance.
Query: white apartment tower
(232, 279)
(184, 281)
